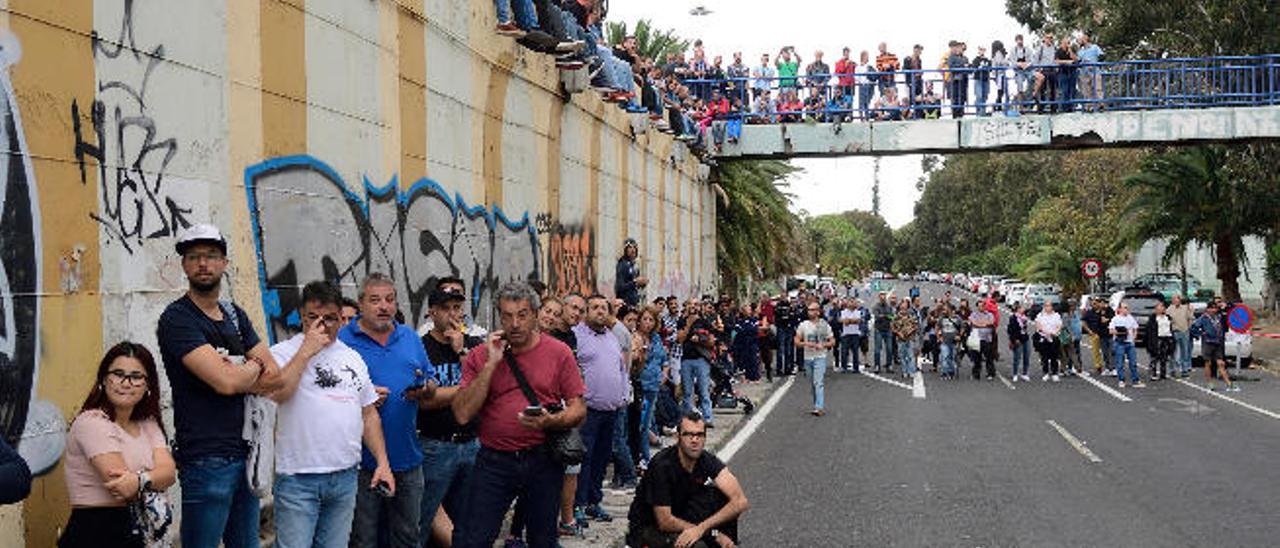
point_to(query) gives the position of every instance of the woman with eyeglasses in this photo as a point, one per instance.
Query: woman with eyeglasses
(117, 461)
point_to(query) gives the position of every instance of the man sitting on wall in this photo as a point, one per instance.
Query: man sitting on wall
(688, 497)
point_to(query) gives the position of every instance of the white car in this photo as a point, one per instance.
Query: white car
(1014, 293)
(1037, 293)
(1238, 349)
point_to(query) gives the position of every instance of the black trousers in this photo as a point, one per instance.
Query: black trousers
(983, 356)
(1050, 357)
(95, 527)
(1161, 351)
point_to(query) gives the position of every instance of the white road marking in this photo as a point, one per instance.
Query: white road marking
(917, 386)
(753, 423)
(1075, 442)
(1005, 381)
(1103, 387)
(1245, 405)
(888, 380)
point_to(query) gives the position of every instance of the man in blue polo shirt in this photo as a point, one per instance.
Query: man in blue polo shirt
(402, 375)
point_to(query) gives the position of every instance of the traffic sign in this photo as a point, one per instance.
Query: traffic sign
(1240, 319)
(1091, 268)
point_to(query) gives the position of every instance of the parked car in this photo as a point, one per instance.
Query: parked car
(1238, 348)
(1014, 293)
(1037, 293)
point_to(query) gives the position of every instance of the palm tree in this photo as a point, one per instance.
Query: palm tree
(1197, 195)
(1052, 264)
(758, 236)
(650, 42)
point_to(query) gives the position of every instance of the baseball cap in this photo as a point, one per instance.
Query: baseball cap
(446, 294)
(200, 234)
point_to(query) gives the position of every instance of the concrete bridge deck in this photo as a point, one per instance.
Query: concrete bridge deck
(999, 132)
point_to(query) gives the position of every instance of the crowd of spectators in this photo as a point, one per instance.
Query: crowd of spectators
(704, 103)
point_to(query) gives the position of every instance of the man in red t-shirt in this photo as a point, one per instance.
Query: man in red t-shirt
(513, 460)
(845, 68)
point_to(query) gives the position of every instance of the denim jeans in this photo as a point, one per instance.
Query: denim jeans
(526, 17)
(217, 504)
(498, 478)
(624, 469)
(850, 345)
(1125, 349)
(1183, 357)
(597, 436)
(948, 358)
(883, 340)
(786, 350)
(1021, 354)
(865, 93)
(695, 378)
(907, 357)
(816, 368)
(400, 526)
(315, 510)
(981, 88)
(646, 422)
(446, 470)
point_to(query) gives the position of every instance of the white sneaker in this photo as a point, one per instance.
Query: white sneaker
(1026, 378)
(1121, 385)
(1045, 378)
(1056, 378)
(1015, 378)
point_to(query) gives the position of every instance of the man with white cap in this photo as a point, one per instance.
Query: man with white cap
(213, 357)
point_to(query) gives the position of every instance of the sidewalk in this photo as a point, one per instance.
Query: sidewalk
(617, 503)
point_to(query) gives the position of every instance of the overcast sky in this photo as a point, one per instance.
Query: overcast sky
(755, 27)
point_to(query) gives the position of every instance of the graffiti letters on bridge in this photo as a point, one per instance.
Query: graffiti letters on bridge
(571, 260)
(125, 142)
(35, 426)
(309, 225)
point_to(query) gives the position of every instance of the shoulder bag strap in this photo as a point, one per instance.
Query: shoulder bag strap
(523, 382)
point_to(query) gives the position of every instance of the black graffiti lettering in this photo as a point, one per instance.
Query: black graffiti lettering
(132, 158)
(415, 236)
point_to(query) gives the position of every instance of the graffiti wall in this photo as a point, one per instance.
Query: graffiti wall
(328, 139)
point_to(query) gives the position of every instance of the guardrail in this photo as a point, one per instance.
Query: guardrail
(1179, 83)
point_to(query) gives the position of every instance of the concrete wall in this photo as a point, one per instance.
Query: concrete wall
(328, 138)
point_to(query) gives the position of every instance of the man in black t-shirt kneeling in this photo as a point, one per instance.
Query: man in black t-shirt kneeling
(687, 498)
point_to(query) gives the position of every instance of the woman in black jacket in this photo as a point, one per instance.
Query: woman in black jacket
(1018, 342)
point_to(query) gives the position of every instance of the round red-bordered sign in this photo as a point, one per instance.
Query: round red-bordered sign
(1240, 318)
(1091, 268)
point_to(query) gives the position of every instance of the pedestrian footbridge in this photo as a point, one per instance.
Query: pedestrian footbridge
(1125, 103)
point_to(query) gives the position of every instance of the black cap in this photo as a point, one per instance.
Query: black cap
(444, 295)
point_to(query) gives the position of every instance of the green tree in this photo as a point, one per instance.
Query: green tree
(879, 237)
(1055, 265)
(840, 247)
(650, 42)
(1193, 195)
(759, 237)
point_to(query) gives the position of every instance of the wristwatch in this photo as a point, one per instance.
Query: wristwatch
(144, 482)
(715, 534)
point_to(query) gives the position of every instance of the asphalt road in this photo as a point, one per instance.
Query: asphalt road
(978, 464)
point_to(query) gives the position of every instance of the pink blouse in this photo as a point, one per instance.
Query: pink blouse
(93, 434)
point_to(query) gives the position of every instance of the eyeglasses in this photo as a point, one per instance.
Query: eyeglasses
(694, 435)
(134, 379)
(329, 319)
(202, 257)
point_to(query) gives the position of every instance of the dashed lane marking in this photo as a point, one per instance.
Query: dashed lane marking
(740, 439)
(917, 386)
(1103, 387)
(1245, 405)
(883, 379)
(1005, 381)
(1075, 442)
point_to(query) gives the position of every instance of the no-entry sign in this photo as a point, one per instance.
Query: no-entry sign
(1240, 319)
(1091, 268)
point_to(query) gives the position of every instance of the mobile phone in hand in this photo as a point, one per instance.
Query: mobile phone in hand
(534, 411)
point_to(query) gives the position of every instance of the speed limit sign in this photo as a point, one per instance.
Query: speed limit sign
(1091, 268)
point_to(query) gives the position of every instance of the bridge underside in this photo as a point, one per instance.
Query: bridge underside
(999, 132)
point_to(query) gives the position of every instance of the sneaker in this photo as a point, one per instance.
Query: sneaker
(1015, 378)
(1056, 378)
(1045, 378)
(1121, 384)
(1026, 378)
(580, 517)
(569, 64)
(572, 46)
(1139, 384)
(570, 530)
(509, 29)
(597, 513)
(1233, 388)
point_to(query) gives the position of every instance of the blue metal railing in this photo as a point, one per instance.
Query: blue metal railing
(1180, 83)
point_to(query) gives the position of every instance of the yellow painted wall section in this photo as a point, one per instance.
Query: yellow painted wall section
(241, 116)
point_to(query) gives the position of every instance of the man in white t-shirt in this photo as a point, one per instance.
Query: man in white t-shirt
(327, 407)
(815, 337)
(851, 321)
